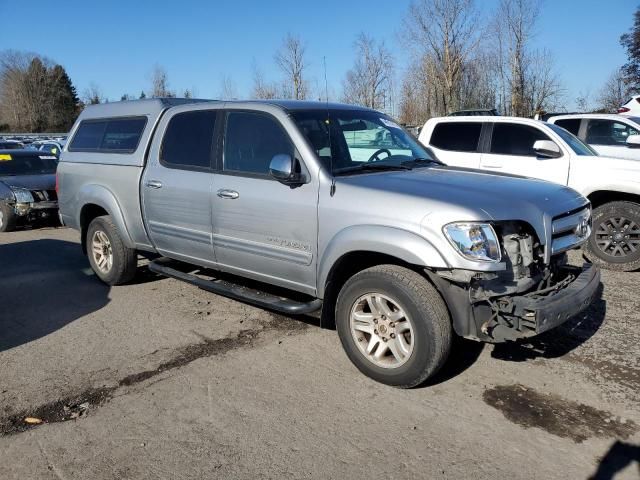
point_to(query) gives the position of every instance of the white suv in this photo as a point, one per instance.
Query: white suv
(537, 149)
(609, 134)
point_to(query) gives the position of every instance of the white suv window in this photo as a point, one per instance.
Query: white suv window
(608, 132)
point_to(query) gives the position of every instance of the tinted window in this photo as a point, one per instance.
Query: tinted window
(608, 132)
(459, 137)
(120, 135)
(251, 141)
(577, 145)
(188, 141)
(514, 139)
(27, 164)
(570, 124)
(123, 134)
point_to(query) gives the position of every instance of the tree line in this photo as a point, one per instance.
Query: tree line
(460, 58)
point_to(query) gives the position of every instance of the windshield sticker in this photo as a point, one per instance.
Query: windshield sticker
(4, 157)
(47, 157)
(389, 123)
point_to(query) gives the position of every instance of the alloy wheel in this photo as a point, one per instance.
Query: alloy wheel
(102, 251)
(618, 237)
(381, 330)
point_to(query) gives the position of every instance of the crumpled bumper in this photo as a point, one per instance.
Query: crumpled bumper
(531, 314)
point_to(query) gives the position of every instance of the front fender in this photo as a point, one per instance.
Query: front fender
(101, 196)
(402, 244)
(6, 195)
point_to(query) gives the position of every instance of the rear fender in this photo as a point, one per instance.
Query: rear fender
(103, 197)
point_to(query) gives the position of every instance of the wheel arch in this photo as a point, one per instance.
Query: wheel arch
(358, 248)
(96, 201)
(601, 197)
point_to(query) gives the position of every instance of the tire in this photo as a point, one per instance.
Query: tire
(614, 243)
(395, 290)
(114, 263)
(7, 218)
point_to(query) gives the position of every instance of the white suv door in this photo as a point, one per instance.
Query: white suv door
(609, 137)
(455, 143)
(511, 151)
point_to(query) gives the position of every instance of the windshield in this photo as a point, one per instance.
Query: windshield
(577, 145)
(349, 141)
(26, 164)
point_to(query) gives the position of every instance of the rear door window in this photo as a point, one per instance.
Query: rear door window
(114, 135)
(608, 132)
(515, 139)
(572, 125)
(457, 136)
(188, 141)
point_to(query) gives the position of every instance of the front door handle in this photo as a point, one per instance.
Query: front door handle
(154, 184)
(230, 194)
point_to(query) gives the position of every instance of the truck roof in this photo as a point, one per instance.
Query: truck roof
(150, 106)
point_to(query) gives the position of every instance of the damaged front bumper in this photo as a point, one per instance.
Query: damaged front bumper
(512, 316)
(532, 313)
(36, 210)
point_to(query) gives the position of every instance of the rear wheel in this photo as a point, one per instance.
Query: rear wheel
(393, 325)
(615, 240)
(112, 261)
(7, 218)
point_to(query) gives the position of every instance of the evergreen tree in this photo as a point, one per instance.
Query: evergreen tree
(631, 42)
(142, 95)
(63, 100)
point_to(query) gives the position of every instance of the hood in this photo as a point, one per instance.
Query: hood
(622, 166)
(31, 182)
(494, 196)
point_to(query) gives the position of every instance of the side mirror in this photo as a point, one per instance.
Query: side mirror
(633, 141)
(282, 168)
(547, 149)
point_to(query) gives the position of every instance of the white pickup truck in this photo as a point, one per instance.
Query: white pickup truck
(537, 149)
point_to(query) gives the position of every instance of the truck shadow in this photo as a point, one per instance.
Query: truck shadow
(618, 458)
(558, 341)
(44, 285)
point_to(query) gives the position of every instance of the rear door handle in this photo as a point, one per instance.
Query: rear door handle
(229, 194)
(154, 184)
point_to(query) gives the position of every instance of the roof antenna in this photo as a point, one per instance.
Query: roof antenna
(332, 190)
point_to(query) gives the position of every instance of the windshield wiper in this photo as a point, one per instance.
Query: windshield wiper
(421, 160)
(372, 166)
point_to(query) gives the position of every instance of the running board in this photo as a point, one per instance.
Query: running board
(237, 292)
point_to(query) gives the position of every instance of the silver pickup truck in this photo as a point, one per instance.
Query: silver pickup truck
(304, 206)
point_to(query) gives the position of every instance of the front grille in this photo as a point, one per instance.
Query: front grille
(44, 195)
(570, 230)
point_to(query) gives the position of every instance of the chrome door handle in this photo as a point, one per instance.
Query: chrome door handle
(230, 194)
(154, 184)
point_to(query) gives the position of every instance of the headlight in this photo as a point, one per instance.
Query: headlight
(22, 195)
(474, 241)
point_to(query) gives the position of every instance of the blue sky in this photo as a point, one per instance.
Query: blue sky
(115, 44)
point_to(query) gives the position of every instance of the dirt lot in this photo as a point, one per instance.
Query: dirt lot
(161, 380)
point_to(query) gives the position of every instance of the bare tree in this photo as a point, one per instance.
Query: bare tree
(93, 95)
(445, 34)
(160, 83)
(369, 82)
(542, 87)
(262, 89)
(290, 58)
(228, 89)
(614, 92)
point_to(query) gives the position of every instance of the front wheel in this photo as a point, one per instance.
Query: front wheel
(7, 218)
(615, 240)
(393, 325)
(111, 260)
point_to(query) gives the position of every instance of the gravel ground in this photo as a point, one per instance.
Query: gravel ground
(161, 380)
